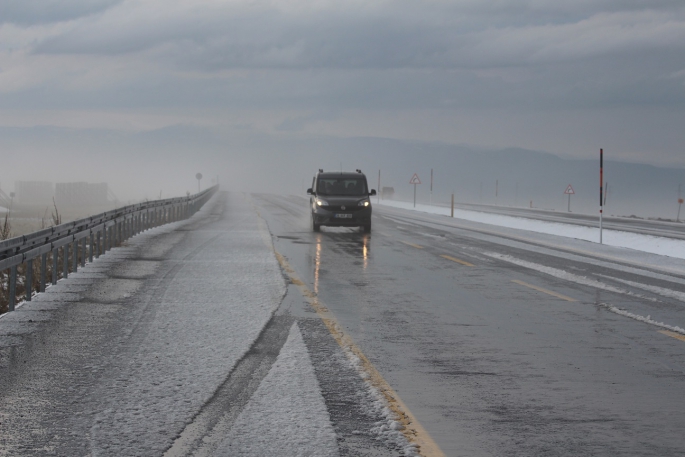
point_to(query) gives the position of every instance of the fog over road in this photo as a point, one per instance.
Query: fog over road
(504, 345)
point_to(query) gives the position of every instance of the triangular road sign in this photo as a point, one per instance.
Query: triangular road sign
(415, 179)
(569, 190)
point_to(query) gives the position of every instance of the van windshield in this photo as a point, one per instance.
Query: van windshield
(342, 186)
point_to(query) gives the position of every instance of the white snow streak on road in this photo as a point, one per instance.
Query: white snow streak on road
(561, 274)
(645, 243)
(657, 290)
(287, 415)
(565, 275)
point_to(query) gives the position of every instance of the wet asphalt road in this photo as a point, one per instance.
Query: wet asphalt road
(499, 344)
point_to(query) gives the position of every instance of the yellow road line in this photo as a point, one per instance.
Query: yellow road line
(454, 259)
(544, 291)
(413, 245)
(677, 336)
(413, 430)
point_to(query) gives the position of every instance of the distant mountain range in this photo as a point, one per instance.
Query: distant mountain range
(518, 176)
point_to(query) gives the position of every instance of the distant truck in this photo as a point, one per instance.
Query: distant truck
(387, 192)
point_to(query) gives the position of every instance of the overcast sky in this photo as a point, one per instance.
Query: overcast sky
(567, 77)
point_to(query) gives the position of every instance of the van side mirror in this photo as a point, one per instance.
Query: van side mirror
(372, 193)
(310, 191)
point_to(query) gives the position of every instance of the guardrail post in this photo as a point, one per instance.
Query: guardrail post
(83, 251)
(90, 247)
(43, 271)
(55, 255)
(74, 256)
(13, 287)
(65, 261)
(29, 279)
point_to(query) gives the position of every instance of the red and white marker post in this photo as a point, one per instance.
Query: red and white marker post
(601, 191)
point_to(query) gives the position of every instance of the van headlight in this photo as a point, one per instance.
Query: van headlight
(321, 202)
(364, 203)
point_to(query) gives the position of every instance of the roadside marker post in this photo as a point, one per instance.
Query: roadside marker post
(680, 202)
(431, 197)
(452, 212)
(569, 191)
(378, 198)
(415, 180)
(601, 191)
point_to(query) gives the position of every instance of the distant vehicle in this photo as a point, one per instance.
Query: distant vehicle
(340, 199)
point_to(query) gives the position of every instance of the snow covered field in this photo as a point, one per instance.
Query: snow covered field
(645, 243)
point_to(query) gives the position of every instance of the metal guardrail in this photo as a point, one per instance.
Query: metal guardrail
(93, 236)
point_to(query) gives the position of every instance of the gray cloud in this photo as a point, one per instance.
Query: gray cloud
(29, 12)
(436, 36)
(321, 65)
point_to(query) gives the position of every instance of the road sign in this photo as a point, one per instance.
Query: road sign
(415, 180)
(569, 190)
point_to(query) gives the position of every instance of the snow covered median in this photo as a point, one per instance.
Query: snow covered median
(645, 243)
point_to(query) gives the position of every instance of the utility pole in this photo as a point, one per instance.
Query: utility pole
(198, 177)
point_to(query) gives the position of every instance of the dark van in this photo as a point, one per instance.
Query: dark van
(340, 199)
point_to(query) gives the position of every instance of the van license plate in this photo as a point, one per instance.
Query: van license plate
(343, 216)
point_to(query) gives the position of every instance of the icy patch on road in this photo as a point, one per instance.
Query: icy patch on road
(287, 415)
(639, 242)
(647, 319)
(565, 275)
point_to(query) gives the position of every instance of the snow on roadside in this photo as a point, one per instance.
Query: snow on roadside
(199, 323)
(646, 243)
(287, 415)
